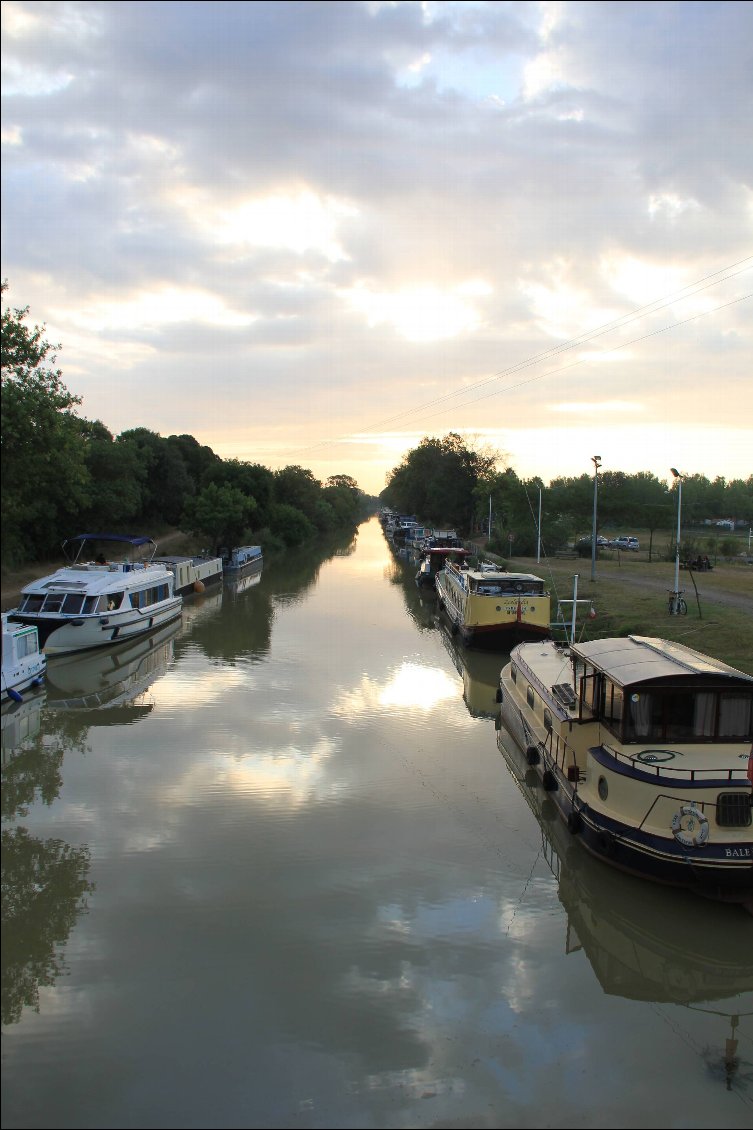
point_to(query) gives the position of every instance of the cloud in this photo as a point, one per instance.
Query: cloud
(317, 186)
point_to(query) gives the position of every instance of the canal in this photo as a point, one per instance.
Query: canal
(273, 868)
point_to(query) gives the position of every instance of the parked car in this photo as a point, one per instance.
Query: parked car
(626, 543)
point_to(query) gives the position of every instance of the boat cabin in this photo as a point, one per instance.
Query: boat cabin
(486, 582)
(651, 690)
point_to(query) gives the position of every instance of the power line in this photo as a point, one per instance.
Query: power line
(654, 307)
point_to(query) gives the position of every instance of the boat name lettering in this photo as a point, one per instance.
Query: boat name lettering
(737, 853)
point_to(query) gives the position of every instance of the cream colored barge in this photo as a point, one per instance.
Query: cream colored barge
(645, 747)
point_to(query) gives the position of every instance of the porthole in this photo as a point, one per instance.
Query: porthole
(547, 719)
(530, 697)
(603, 788)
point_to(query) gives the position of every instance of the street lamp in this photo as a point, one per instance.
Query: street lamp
(596, 460)
(676, 594)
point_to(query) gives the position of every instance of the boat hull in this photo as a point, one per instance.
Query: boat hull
(492, 622)
(193, 574)
(60, 635)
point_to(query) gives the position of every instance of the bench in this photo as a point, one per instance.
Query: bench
(565, 553)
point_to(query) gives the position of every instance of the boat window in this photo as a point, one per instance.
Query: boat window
(705, 714)
(735, 716)
(514, 673)
(53, 602)
(671, 715)
(26, 644)
(73, 604)
(144, 597)
(614, 704)
(639, 719)
(530, 697)
(591, 691)
(32, 603)
(114, 601)
(547, 719)
(90, 604)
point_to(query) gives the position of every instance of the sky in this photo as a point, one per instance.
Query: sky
(313, 233)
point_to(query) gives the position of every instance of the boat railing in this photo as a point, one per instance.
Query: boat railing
(660, 768)
(670, 803)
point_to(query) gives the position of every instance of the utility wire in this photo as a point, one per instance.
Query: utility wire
(620, 323)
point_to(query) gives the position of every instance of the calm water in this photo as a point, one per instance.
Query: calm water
(273, 870)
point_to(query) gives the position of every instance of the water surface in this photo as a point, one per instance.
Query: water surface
(272, 868)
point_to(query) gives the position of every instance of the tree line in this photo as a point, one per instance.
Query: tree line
(444, 481)
(63, 474)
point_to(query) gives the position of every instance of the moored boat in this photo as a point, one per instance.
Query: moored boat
(23, 663)
(243, 559)
(192, 574)
(645, 749)
(434, 559)
(641, 939)
(95, 600)
(490, 607)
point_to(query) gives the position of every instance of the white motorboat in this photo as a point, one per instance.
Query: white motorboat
(23, 663)
(97, 599)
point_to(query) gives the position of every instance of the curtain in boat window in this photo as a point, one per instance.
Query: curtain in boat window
(735, 716)
(640, 714)
(704, 714)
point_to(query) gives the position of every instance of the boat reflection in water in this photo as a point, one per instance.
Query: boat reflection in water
(479, 671)
(21, 722)
(111, 677)
(643, 941)
(238, 583)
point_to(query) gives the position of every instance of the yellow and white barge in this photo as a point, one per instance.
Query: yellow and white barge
(490, 607)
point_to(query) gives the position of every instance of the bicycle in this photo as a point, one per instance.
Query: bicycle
(677, 605)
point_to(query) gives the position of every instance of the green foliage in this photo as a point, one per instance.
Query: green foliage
(42, 468)
(222, 514)
(291, 524)
(437, 480)
(296, 486)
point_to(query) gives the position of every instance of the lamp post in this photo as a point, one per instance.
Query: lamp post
(596, 460)
(676, 601)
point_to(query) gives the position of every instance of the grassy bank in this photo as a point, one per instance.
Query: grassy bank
(630, 595)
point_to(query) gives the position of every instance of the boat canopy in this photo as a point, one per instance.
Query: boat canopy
(130, 539)
(641, 659)
(73, 547)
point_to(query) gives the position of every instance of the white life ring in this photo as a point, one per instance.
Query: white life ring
(690, 827)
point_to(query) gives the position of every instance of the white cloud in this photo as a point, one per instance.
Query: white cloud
(231, 192)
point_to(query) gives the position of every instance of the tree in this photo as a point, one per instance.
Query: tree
(296, 486)
(220, 513)
(437, 480)
(117, 477)
(42, 462)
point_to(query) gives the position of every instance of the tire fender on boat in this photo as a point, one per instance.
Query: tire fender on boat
(533, 757)
(690, 827)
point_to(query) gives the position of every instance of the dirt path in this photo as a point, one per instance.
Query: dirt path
(707, 593)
